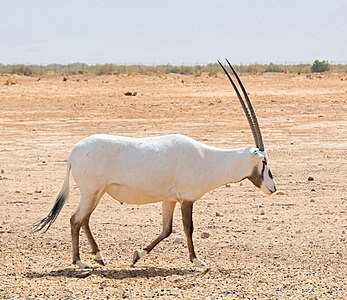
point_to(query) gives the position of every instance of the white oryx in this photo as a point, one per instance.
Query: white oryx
(167, 169)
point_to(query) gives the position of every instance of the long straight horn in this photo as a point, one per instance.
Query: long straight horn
(260, 143)
(245, 108)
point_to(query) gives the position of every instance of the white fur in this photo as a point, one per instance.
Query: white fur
(147, 170)
(98, 256)
(199, 263)
(81, 265)
(141, 253)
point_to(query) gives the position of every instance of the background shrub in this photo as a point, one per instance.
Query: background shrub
(273, 68)
(320, 66)
(212, 69)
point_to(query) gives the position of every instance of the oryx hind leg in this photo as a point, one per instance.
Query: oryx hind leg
(95, 248)
(168, 208)
(79, 219)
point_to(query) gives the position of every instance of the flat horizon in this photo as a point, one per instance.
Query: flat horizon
(172, 32)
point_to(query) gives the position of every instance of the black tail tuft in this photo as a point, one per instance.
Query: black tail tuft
(53, 214)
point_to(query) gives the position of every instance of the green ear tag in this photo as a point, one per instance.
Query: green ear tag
(257, 153)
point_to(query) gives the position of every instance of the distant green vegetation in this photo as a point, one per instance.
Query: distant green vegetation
(320, 66)
(273, 68)
(210, 69)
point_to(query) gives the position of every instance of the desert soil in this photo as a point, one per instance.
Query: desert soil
(289, 245)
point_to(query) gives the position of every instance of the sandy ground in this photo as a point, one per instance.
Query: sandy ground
(289, 245)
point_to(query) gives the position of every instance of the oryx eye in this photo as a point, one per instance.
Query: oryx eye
(270, 174)
(265, 162)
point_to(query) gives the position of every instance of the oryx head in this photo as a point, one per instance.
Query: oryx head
(260, 174)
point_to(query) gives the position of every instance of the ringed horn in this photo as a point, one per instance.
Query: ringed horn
(248, 109)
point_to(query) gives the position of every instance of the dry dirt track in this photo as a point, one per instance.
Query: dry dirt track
(289, 245)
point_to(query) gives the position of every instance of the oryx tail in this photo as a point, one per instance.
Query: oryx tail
(63, 195)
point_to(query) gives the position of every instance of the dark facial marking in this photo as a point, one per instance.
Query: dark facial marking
(257, 178)
(263, 169)
(265, 164)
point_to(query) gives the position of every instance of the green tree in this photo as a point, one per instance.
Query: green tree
(320, 66)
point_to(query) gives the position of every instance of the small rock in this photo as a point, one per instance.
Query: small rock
(205, 235)
(262, 212)
(219, 214)
(2, 171)
(310, 178)
(130, 93)
(280, 193)
(178, 240)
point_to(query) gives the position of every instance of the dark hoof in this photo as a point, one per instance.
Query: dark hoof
(136, 257)
(100, 261)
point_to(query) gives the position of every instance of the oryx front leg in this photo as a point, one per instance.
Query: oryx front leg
(187, 218)
(168, 208)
